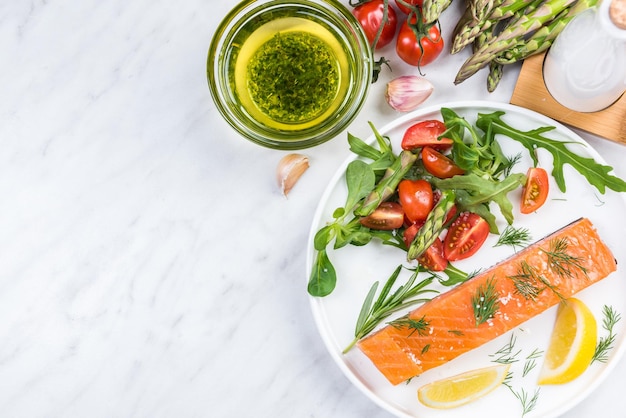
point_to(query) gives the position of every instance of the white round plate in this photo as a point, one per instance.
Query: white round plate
(359, 267)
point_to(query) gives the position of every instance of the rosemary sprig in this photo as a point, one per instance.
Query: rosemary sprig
(605, 344)
(374, 312)
(514, 237)
(415, 325)
(485, 302)
(561, 262)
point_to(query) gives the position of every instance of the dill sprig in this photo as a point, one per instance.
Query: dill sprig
(485, 302)
(561, 262)
(529, 283)
(531, 361)
(605, 344)
(528, 404)
(514, 237)
(505, 354)
(421, 326)
(374, 312)
(526, 282)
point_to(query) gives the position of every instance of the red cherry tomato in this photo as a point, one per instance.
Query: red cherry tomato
(387, 216)
(433, 258)
(439, 165)
(404, 8)
(426, 133)
(370, 16)
(465, 236)
(535, 191)
(416, 198)
(408, 47)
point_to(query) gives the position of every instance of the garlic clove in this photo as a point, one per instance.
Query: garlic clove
(406, 93)
(290, 169)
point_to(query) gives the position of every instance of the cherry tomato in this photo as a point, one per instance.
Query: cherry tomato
(416, 198)
(535, 191)
(387, 216)
(426, 133)
(408, 48)
(433, 258)
(465, 236)
(401, 5)
(370, 16)
(439, 165)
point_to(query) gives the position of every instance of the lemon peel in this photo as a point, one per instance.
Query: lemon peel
(572, 344)
(463, 388)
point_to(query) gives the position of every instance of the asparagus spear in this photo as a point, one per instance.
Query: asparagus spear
(432, 227)
(388, 184)
(432, 9)
(511, 35)
(470, 29)
(541, 40)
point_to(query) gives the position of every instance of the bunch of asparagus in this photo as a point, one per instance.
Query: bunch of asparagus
(507, 31)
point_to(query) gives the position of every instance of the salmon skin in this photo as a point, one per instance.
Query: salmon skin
(491, 303)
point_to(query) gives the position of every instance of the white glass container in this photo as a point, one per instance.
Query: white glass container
(585, 68)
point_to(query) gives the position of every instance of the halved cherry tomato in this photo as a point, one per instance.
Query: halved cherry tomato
(416, 198)
(465, 236)
(418, 52)
(433, 258)
(370, 16)
(401, 5)
(426, 133)
(438, 164)
(535, 191)
(387, 216)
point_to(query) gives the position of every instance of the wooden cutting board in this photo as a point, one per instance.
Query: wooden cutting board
(531, 92)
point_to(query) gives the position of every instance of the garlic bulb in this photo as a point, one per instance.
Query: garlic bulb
(407, 92)
(290, 169)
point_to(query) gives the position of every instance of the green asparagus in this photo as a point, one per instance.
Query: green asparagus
(510, 36)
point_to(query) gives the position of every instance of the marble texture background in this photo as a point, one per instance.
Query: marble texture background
(149, 266)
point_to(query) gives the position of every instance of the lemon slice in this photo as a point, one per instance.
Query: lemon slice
(572, 344)
(463, 388)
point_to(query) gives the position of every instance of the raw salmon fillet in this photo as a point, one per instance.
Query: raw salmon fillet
(401, 352)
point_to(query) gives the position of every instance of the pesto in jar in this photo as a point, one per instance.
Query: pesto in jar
(293, 77)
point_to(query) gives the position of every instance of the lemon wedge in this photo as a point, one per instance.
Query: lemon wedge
(463, 388)
(572, 344)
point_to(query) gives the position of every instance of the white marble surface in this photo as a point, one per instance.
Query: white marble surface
(149, 266)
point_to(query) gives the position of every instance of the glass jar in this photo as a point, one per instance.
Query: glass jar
(585, 68)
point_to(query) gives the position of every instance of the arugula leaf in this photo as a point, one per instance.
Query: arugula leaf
(595, 173)
(474, 192)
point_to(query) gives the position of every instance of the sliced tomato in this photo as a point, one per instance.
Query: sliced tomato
(465, 236)
(416, 198)
(387, 216)
(433, 258)
(426, 133)
(438, 164)
(535, 191)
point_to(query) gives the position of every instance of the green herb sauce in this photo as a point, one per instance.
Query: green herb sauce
(293, 77)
